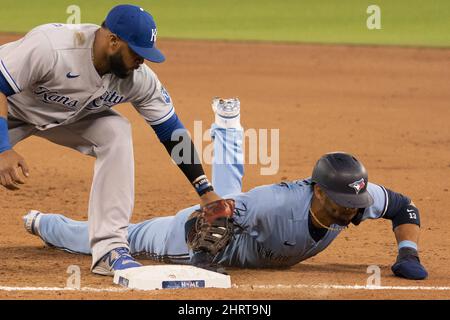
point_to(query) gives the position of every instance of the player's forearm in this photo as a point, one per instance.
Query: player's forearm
(189, 163)
(175, 138)
(407, 232)
(405, 217)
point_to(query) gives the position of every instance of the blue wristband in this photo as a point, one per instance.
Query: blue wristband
(4, 138)
(202, 185)
(407, 243)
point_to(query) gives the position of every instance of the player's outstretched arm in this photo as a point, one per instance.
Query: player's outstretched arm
(406, 225)
(11, 163)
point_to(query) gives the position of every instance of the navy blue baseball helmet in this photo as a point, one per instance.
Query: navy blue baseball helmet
(344, 180)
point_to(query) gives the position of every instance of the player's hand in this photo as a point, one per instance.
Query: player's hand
(408, 265)
(208, 198)
(11, 164)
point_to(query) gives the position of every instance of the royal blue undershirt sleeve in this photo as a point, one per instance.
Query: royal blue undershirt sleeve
(164, 130)
(5, 88)
(4, 138)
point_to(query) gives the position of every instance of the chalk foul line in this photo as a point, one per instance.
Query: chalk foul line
(242, 286)
(83, 289)
(341, 287)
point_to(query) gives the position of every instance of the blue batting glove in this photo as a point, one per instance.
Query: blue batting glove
(408, 265)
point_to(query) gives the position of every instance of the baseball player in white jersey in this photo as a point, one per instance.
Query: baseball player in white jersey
(59, 82)
(275, 225)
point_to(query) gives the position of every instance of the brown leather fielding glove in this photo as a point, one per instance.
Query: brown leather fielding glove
(210, 229)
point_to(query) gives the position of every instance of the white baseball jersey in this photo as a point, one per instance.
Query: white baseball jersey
(52, 73)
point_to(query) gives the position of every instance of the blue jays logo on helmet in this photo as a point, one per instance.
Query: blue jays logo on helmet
(358, 185)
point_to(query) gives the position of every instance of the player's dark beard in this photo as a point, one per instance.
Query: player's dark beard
(337, 218)
(342, 222)
(117, 66)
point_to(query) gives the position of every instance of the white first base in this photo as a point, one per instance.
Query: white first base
(170, 277)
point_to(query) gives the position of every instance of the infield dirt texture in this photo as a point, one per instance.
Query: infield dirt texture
(388, 105)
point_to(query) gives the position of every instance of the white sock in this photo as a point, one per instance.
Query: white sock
(228, 122)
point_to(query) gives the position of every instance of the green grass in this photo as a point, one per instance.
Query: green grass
(404, 22)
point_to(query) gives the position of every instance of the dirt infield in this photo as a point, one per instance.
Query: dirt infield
(389, 106)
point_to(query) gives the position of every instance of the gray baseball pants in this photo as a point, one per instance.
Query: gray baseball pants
(107, 137)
